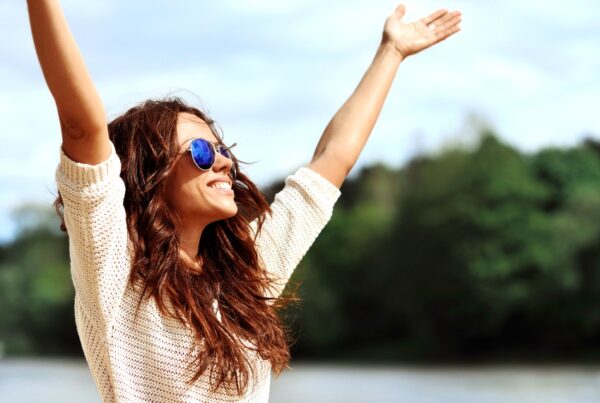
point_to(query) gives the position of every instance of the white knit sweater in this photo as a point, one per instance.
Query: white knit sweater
(146, 361)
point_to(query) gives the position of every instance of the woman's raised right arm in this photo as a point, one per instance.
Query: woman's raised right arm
(80, 109)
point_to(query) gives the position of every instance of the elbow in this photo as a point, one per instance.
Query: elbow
(331, 166)
(78, 128)
(336, 156)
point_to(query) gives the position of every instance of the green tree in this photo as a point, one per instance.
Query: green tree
(36, 292)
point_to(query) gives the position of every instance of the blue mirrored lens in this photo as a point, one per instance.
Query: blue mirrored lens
(203, 153)
(223, 150)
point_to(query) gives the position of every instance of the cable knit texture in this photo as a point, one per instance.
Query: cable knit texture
(146, 360)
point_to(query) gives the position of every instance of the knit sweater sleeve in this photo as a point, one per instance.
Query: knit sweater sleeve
(94, 215)
(299, 212)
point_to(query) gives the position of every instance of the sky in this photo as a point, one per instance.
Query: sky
(273, 73)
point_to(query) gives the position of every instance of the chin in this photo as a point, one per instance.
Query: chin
(230, 212)
(219, 211)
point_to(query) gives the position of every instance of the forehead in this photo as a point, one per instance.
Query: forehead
(190, 126)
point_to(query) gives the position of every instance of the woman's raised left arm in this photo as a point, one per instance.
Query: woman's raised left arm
(348, 131)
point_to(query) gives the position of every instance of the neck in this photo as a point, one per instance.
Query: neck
(189, 241)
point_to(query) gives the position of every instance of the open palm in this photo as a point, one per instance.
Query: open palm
(411, 38)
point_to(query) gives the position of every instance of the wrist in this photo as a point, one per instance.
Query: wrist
(387, 47)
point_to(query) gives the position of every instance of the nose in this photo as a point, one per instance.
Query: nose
(222, 164)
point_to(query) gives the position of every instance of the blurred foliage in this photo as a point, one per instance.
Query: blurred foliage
(36, 293)
(473, 253)
(483, 253)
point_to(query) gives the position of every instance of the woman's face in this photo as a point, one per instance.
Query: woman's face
(189, 189)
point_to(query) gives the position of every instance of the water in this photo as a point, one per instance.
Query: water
(65, 381)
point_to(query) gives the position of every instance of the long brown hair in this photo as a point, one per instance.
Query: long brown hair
(145, 139)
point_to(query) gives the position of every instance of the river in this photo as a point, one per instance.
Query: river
(64, 380)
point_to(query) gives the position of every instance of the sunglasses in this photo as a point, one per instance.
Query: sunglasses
(204, 154)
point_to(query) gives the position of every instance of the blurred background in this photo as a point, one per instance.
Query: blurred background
(462, 261)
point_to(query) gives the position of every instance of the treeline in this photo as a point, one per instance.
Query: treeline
(467, 255)
(36, 293)
(472, 253)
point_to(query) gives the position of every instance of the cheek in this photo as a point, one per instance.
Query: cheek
(176, 188)
(191, 190)
(187, 191)
(178, 177)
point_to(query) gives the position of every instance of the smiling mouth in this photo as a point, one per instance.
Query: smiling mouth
(222, 190)
(228, 191)
(220, 185)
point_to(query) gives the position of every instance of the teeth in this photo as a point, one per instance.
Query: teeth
(221, 185)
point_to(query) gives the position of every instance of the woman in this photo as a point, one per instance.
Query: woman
(177, 261)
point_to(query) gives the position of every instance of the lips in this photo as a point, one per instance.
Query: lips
(216, 189)
(222, 179)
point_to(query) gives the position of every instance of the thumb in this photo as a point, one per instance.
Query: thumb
(400, 10)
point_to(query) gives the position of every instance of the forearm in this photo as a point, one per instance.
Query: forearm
(348, 131)
(66, 75)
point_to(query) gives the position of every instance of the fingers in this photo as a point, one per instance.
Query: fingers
(442, 19)
(445, 34)
(433, 16)
(451, 28)
(448, 22)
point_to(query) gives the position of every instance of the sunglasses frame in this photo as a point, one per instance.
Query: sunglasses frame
(215, 151)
